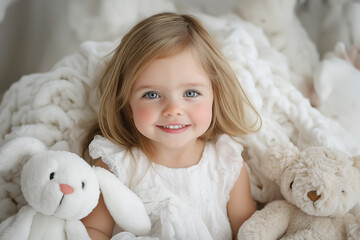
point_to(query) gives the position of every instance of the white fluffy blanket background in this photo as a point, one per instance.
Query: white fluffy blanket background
(58, 106)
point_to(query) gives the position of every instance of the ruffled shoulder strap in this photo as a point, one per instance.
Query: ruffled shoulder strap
(114, 155)
(229, 162)
(102, 147)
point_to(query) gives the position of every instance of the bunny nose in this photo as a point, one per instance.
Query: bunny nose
(313, 196)
(66, 189)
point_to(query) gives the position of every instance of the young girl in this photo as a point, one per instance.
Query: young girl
(169, 104)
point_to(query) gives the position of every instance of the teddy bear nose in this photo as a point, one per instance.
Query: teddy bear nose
(313, 196)
(66, 189)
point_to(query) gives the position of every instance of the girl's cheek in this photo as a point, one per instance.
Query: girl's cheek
(144, 115)
(203, 114)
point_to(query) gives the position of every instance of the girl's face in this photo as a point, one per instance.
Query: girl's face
(172, 101)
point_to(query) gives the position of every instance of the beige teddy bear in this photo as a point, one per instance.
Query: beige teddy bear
(320, 186)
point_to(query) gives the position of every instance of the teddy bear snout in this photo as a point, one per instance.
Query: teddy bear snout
(66, 189)
(313, 196)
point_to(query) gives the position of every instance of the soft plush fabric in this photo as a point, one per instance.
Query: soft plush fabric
(59, 105)
(337, 85)
(320, 186)
(60, 188)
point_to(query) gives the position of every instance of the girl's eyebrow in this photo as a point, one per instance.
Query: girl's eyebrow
(143, 87)
(184, 85)
(156, 87)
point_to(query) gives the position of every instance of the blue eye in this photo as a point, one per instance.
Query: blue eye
(191, 94)
(151, 95)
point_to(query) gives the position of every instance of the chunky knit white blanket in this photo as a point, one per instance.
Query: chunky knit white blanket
(58, 106)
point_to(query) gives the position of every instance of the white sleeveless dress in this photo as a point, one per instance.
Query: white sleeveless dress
(182, 203)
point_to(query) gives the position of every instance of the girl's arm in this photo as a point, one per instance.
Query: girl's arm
(99, 223)
(241, 204)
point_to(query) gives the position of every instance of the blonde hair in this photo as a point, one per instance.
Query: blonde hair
(162, 35)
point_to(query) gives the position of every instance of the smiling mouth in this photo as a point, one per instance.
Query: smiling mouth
(174, 128)
(179, 126)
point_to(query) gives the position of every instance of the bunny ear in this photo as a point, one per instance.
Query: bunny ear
(16, 152)
(13, 156)
(124, 205)
(278, 159)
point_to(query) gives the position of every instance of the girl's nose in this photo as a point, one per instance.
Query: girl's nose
(66, 189)
(172, 109)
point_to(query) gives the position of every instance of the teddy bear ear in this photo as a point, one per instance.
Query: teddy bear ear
(124, 205)
(278, 158)
(18, 151)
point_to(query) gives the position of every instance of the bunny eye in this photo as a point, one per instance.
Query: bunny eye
(291, 184)
(52, 175)
(82, 185)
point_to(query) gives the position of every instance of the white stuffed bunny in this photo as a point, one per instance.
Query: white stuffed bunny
(320, 186)
(60, 189)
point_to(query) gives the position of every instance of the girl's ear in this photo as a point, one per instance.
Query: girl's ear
(16, 152)
(124, 205)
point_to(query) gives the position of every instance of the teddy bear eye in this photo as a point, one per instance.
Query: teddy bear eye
(82, 185)
(291, 184)
(52, 175)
